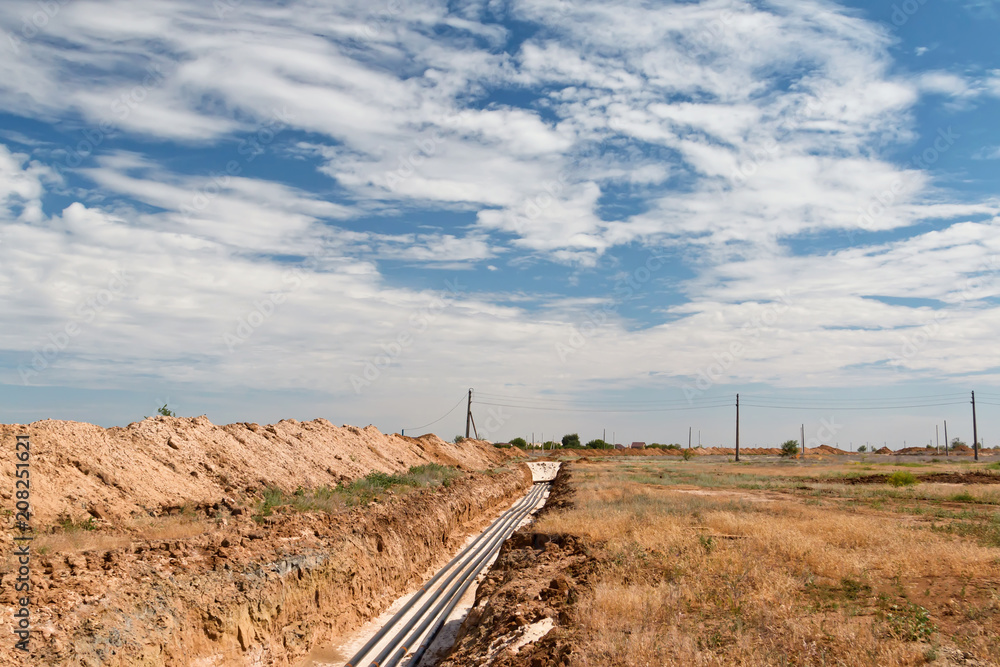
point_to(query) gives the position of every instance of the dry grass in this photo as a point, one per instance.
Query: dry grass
(726, 579)
(79, 541)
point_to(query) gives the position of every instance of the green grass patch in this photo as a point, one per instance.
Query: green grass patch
(963, 497)
(358, 492)
(905, 620)
(67, 525)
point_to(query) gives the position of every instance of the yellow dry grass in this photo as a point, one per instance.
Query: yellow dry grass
(688, 579)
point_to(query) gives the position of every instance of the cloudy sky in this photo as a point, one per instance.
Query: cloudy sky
(359, 210)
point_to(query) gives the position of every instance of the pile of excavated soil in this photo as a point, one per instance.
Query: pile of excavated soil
(160, 463)
(972, 477)
(827, 449)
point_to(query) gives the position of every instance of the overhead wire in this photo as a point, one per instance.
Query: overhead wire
(568, 404)
(417, 428)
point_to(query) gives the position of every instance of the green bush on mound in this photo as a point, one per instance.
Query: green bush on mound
(902, 478)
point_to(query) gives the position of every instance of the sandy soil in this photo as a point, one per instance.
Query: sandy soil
(80, 470)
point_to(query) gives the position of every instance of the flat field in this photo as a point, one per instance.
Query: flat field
(842, 561)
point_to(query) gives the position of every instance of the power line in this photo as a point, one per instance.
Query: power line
(921, 399)
(417, 428)
(858, 407)
(567, 409)
(598, 401)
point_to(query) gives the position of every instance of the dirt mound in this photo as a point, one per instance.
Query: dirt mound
(885, 450)
(160, 463)
(973, 477)
(914, 451)
(827, 449)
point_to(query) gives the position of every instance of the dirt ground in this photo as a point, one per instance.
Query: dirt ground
(80, 470)
(660, 562)
(234, 545)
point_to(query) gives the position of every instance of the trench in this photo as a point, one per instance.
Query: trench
(420, 627)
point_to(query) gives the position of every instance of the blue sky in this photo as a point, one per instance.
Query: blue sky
(359, 210)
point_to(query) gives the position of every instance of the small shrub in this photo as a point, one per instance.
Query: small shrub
(789, 448)
(902, 478)
(963, 497)
(520, 443)
(687, 455)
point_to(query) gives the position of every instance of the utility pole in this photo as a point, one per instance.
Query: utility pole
(737, 428)
(937, 440)
(946, 437)
(802, 434)
(975, 433)
(689, 437)
(468, 416)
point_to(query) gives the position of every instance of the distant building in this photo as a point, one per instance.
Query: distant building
(638, 445)
(618, 445)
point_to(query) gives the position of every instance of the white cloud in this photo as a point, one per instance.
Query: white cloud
(734, 127)
(987, 153)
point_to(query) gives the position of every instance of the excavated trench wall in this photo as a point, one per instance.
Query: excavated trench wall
(255, 601)
(240, 591)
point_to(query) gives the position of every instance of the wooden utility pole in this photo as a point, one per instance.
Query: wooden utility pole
(737, 428)
(975, 433)
(468, 416)
(946, 437)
